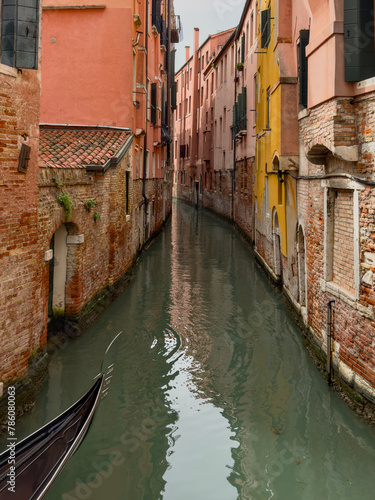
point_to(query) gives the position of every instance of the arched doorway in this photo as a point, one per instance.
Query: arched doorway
(57, 273)
(276, 244)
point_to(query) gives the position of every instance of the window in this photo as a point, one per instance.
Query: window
(136, 163)
(243, 42)
(268, 115)
(302, 67)
(153, 165)
(341, 237)
(153, 103)
(189, 104)
(149, 100)
(156, 15)
(127, 178)
(251, 29)
(147, 163)
(225, 67)
(265, 28)
(20, 34)
(359, 48)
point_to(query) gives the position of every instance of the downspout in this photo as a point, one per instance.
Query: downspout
(168, 104)
(234, 132)
(145, 200)
(329, 339)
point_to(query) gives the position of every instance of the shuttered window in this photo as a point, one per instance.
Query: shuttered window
(153, 102)
(19, 33)
(359, 40)
(243, 48)
(304, 36)
(174, 83)
(156, 15)
(240, 113)
(266, 28)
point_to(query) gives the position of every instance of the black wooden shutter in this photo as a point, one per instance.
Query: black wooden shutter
(8, 32)
(153, 102)
(359, 40)
(244, 109)
(172, 79)
(304, 36)
(27, 27)
(20, 33)
(266, 28)
(156, 14)
(163, 106)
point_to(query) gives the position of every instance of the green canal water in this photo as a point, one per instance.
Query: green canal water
(213, 395)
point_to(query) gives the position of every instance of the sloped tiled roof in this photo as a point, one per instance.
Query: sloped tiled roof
(77, 148)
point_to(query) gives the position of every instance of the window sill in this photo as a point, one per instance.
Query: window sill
(127, 219)
(7, 70)
(339, 293)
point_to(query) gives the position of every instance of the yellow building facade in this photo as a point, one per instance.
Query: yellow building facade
(276, 103)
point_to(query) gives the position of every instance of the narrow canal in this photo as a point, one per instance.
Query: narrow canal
(213, 396)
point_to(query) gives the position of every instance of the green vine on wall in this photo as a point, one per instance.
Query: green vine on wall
(67, 204)
(97, 216)
(90, 203)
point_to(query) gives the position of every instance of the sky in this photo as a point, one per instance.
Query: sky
(210, 16)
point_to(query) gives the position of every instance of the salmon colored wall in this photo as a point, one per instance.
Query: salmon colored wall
(95, 88)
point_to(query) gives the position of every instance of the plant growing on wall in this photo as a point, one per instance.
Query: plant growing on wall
(67, 204)
(97, 216)
(90, 203)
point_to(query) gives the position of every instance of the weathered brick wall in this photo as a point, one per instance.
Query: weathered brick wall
(109, 243)
(354, 326)
(21, 326)
(343, 241)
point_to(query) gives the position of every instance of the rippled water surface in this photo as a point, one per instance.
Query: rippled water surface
(213, 396)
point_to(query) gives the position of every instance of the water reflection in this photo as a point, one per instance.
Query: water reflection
(213, 394)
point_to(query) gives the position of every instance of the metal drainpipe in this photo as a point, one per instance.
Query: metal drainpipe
(234, 132)
(145, 138)
(329, 338)
(168, 103)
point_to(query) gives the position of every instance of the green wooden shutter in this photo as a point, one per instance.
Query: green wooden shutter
(266, 28)
(234, 130)
(156, 14)
(359, 40)
(172, 79)
(244, 109)
(243, 48)
(163, 110)
(304, 36)
(8, 32)
(153, 102)
(20, 33)
(27, 34)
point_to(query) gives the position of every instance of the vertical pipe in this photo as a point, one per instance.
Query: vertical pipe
(329, 339)
(234, 140)
(145, 137)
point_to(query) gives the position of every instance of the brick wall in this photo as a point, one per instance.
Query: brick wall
(343, 240)
(354, 325)
(21, 326)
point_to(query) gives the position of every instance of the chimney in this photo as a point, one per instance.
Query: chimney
(187, 53)
(196, 40)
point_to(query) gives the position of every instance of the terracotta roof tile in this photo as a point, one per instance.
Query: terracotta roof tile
(77, 148)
